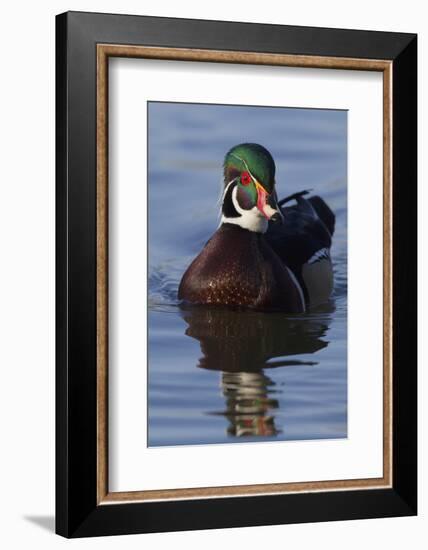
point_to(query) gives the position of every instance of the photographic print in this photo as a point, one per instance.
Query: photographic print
(247, 240)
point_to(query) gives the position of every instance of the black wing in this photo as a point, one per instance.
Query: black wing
(307, 229)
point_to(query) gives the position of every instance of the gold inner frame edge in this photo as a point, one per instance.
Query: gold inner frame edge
(104, 51)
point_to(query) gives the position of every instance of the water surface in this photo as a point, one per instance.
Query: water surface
(218, 375)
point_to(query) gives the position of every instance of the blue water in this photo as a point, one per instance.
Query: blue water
(222, 376)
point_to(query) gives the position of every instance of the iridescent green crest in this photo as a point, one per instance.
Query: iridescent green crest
(254, 159)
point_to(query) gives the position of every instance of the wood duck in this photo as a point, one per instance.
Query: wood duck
(263, 255)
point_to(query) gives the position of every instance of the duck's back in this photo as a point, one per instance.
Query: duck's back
(237, 267)
(303, 243)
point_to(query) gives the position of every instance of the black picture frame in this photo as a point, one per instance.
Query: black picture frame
(77, 511)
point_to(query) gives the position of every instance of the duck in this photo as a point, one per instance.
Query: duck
(266, 254)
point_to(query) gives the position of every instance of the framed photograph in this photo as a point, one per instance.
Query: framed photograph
(236, 274)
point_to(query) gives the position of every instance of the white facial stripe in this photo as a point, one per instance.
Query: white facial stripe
(227, 187)
(236, 204)
(246, 166)
(252, 219)
(222, 200)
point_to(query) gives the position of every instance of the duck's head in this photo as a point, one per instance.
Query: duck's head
(249, 196)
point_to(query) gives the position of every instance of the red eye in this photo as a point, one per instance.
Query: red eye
(245, 178)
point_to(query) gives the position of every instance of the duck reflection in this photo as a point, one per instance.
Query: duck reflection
(249, 403)
(242, 345)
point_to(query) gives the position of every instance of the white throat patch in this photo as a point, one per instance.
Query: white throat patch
(253, 219)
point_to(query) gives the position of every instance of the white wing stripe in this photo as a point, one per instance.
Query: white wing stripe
(299, 289)
(319, 255)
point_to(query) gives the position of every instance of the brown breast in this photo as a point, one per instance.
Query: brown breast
(237, 267)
